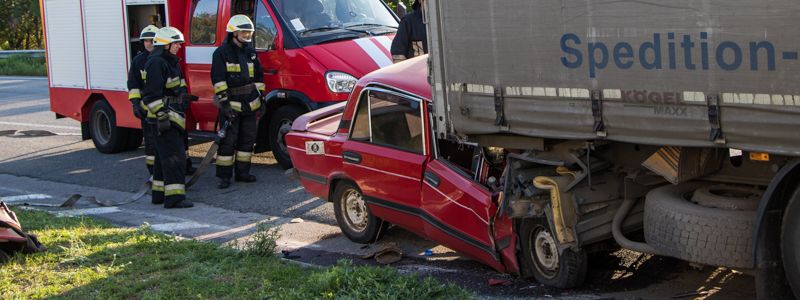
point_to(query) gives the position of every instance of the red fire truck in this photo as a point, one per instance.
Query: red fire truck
(312, 52)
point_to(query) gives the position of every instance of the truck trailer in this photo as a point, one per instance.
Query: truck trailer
(680, 117)
(312, 52)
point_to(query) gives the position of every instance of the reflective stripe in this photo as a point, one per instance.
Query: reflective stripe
(173, 82)
(244, 156)
(134, 94)
(183, 83)
(220, 86)
(233, 67)
(143, 73)
(224, 161)
(236, 105)
(255, 104)
(150, 160)
(250, 70)
(175, 189)
(177, 119)
(158, 186)
(261, 86)
(155, 105)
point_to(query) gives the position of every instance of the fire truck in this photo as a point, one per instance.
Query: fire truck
(312, 53)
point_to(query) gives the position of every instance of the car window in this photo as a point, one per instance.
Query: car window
(395, 121)
(360, 129)
(204, 22)
(265, 27)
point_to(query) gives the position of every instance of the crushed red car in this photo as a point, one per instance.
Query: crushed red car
(377, 158)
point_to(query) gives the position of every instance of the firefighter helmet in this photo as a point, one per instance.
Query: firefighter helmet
(240, 23)
(168, 35)
(148, 33)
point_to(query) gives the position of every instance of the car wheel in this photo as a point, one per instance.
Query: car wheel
(354, 217)
(107, 137)
(790, 242)
(279, 125)
(542, 258)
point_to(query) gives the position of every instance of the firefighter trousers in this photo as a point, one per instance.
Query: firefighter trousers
(170, 166)
(149, 147)
(236, 149)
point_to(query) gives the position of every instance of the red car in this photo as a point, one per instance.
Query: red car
(377, 159)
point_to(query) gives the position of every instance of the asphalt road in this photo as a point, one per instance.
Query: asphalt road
(42, 153)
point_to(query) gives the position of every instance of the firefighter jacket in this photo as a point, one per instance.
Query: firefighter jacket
(237, 76)
(411, 39)
(135, 80)
(164, 86)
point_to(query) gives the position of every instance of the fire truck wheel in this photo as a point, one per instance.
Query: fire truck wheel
(279, 125)
(354, 217)
(790, 242)
(107, 137)
(676, 223)
(542, 258)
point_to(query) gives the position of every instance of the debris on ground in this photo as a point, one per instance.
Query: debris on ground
(496, 282)
(386, 254)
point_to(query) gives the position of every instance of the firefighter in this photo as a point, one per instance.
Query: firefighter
(135, 84)
(164, 95)
(411, 39)
(239, 86)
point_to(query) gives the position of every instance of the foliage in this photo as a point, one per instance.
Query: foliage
(23, 65)
(20, 25)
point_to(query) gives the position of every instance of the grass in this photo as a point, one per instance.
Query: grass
(22, 65)
(90, 259)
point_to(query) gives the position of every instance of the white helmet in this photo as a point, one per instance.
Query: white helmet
(240, 23)
(168, 35)
(148, 33)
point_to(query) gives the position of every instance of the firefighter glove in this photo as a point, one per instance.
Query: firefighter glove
(138, 111)
(226, 110)
(162, 121)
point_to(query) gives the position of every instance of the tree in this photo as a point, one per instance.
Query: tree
(20, 25)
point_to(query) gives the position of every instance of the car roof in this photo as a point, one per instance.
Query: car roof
(409, 76)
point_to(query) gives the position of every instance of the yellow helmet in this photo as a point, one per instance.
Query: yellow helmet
(148, 33)
(239, 23)
(168, 35)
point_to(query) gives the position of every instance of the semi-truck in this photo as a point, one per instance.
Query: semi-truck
(679, 117)
(312, 52)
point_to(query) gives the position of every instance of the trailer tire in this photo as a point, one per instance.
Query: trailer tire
(107, 137)
(677, 227)
(562, 270)
(354, 217)
(279, 124)
(790, 242)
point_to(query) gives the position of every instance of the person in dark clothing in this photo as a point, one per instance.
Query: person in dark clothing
(135, 84)
(411, 39)
(164, 95)
(239, 86)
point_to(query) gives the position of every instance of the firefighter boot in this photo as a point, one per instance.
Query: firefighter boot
(224, 183)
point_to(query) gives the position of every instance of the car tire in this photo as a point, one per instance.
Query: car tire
(279, 124)
(790, 242)
(541, 258)
(107, 137)
(680, 228)
(354, 217)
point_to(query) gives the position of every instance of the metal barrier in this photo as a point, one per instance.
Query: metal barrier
(29, 53)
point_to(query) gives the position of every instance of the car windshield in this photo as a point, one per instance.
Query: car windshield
(317, 17)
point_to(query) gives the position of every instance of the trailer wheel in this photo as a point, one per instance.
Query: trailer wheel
(107, 137)
(675, 225)
(279, 125)
(541, 257)
(790, 242)
(354, 217)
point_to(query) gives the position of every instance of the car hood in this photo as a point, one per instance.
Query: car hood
(356, 57)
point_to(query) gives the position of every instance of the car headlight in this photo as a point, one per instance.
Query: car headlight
(339, 82)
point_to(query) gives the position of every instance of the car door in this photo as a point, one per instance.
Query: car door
(457, 210)
(267, 40)
(385, 155)
(202, 39)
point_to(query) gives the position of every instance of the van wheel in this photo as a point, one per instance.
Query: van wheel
(107, 137)
(279, 125)
(790, 242)
(541, 257)
(354, 217)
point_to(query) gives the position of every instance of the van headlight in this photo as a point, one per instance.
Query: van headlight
(339, 82)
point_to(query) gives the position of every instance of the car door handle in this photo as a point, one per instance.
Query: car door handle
(432, 179)
(351, 157)
(272, 71)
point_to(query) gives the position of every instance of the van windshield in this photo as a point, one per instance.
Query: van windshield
(309, 18)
